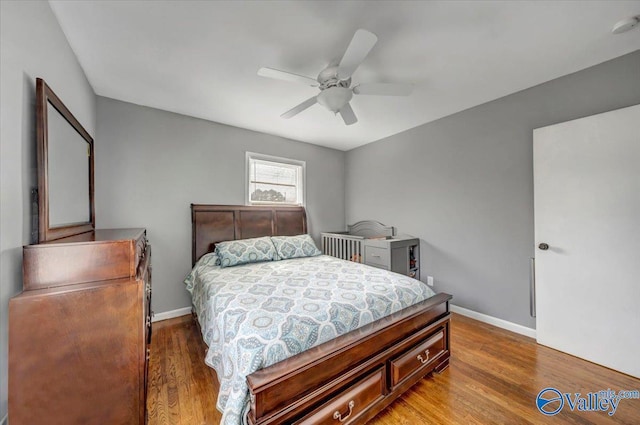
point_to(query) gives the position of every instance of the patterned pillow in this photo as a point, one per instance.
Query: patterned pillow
(243, 251)
(295, 246)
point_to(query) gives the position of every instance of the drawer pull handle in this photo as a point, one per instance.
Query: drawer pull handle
(376, 255)
(338, 416)
(423, 360)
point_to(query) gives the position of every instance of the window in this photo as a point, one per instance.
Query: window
(273, 180)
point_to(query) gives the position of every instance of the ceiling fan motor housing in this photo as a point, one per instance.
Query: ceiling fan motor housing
(328, 78)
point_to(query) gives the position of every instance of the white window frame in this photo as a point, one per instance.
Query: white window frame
(302, 178)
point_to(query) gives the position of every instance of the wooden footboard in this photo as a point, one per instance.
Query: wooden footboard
(353, 377)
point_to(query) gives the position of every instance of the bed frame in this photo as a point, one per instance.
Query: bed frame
(348, 379)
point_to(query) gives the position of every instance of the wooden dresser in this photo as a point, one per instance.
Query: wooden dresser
(79, 333)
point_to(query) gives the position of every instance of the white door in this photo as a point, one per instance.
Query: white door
(587, 210)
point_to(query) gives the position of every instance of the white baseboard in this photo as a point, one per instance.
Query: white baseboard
(169, 315)
(504, 324)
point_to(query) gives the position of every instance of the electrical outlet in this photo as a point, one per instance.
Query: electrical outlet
(430, 280)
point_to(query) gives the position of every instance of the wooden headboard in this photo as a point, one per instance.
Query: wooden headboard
(211, 224)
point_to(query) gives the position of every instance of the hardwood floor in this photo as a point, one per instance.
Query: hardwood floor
(494, 378)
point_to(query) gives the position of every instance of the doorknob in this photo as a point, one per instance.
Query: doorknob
(543, 246)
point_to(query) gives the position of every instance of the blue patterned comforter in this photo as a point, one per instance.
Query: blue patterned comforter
(255, 315)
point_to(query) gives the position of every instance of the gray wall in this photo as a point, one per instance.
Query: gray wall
(464, 184)
(32, 45)
(151, 165)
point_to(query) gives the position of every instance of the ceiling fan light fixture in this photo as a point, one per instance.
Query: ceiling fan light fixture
(626, 25)
(335, 98)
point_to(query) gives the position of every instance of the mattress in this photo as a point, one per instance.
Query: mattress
(255, 315)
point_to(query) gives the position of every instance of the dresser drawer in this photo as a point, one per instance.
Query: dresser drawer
(101, 255)
(348, 405)
(421, 356)
(376, 256)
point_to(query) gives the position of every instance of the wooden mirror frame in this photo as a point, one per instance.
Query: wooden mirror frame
(44, 97)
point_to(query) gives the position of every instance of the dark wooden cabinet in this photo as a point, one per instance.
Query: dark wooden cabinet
(79, 333)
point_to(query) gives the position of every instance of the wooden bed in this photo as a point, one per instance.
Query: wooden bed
(348, 379)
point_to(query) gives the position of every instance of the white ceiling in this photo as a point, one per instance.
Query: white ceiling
(201, 58)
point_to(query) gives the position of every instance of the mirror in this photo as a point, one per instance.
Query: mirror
(65, 169)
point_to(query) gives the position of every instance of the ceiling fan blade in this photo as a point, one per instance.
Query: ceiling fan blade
(360, 46)
(384, 89)
(301, 107)
(348, 115)
(287, 76)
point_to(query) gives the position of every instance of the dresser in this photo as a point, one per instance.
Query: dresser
(400, 255)
(80, 331)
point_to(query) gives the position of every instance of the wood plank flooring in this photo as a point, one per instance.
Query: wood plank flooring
(494, 378)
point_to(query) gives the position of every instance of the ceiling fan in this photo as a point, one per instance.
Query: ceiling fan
(334, 81)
